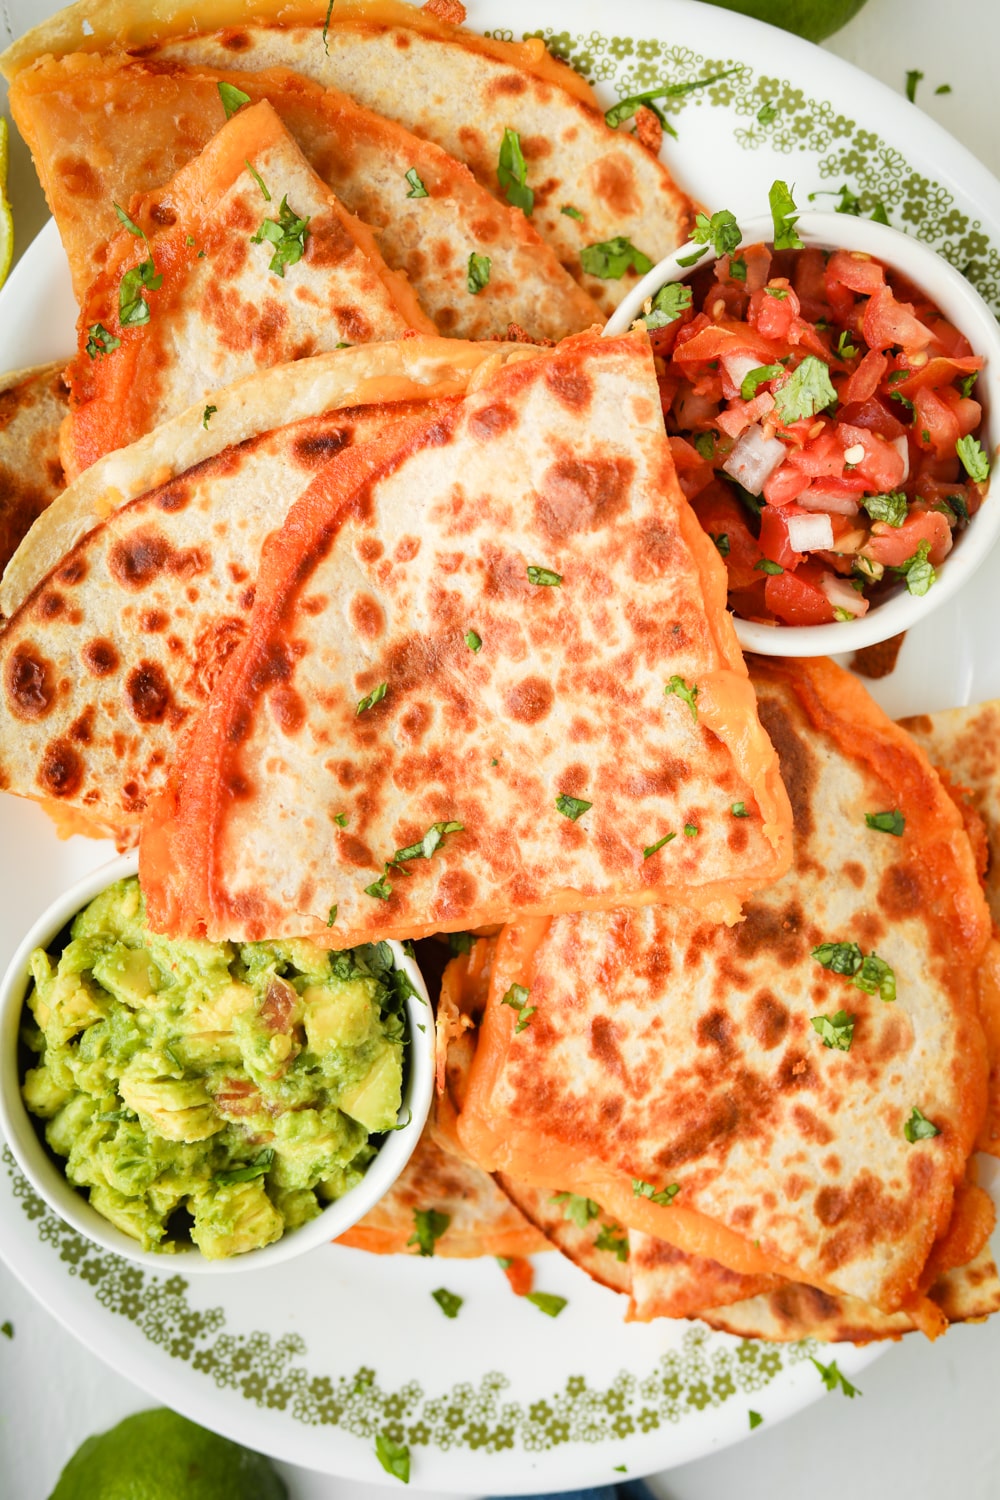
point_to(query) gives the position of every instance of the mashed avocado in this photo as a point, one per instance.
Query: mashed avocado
(215, 1089)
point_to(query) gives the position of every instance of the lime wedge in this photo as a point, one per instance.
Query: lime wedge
(6, 217)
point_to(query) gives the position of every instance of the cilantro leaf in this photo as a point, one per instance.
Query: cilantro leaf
(544, 577)
(892, 509)
(577, 1210)
(332, 917)
(668, 304)
(845, 349)
(287, 233)
(340, 819)
(785, 216)
(99, 341)
(705, 444)
(394, 1457)
(417, 188)
(721, 231)
(547, 1302)
(737, 268)
(429, 1226)
(767, 566)
(686, 694)
(626, 108)
(807, 391)
(919, 1128)
(917, 570)
(839, 958)
(380, 889)
(517, 998)
(739, 810)
(610, 259)
(257, 1168)
(875, 975)
(207, 416)
(832, 1378)
(612, 1237)
(478, 273)
(753, 378)
(690, 829)
(512, 173)
(258, 179)
(448, 1302)
(375, 696)
(571, 212)
(130, 224)
(913, 77)
(652, 849)
(767, 113)
(974, 460)
(426, 846)
(887, 822)
(460, 942)
(662, 1199)
(133, 309)
(232, 98)
(721, 542)
(755, 1419)
(572, 807)
(473, 640)
(836, 1031)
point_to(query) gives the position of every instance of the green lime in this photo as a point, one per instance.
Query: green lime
(157, 1455)
(813, 19)
(6, 218)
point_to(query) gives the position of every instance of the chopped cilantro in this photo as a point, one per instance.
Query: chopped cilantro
(207, 416)
(739, 810)
(572, 807)
(955, 508)
(705, 444)
(380, 889)
(845, 349)
(426, 846)
(807, 391)
(571, 212)
(668, 304)
(326, 26)
(547, 1302)
(544, 577)
(919, 1128)
(448, 1302)
(7, 1329)
(832, 1378)
(133, 309)
(189, 239)
(332, 917)
(737, 269)
(785, 216)
(652, 849)
(375, 696)
(258, 179)
(429, 1226)
(610, 259)
(967, 382)
(394, 1457)
(836, 1031)
(693, 258)
(577, 1210)
(721, 231)
(130, 224)
(753, 378)
(662, 1199)
(767, 566)
(917, 570)
(779, 293)
(913, 77)
(879, 215)
(767, 113)
(755, 1419)
(257, 1168)
(460, 942)
(512, 173)
(690, 829)
(626, 108)
(871, 974)
(417, 188)
(721, 542)
(232, 98)
(287, 233)
(473, 640)
(477, 273)
(839, 958)
(943, 88)
(684, 692)
(903, 400)
(99, 341)
(974, 460)
(517, 998)
(340, 819)
(892, 509)
(887, 822)
(612, 1237)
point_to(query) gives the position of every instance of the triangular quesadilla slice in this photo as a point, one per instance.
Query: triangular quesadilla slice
(797, 1095)
(32, 407)
(486, 672)
(244, 260)
(103, 127)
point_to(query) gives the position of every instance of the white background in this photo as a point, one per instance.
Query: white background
(926, 1425)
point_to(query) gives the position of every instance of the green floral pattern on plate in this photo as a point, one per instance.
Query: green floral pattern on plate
(875, 171)
(706, 1371)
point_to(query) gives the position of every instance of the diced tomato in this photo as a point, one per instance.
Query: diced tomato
(887, 322)
(809, 280)
(795, 600)
(863, 383)
(874, 415)
(749, 603)
(712, 343)
(773, 309)
(837, 496)
(774, 541)
(954, 344)
(841, 300)
(784, 484)
(968, 413)
(693, 471)
(882, 464)
(855, 270)
(741, 413)
(822, 455)
(721, 514)
(939, 371)
(893, 546)
(758, 263)
(694, 409)
(937, 491)
(935, 425)
(725, 300)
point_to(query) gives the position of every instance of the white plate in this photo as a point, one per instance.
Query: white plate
(309, 1361)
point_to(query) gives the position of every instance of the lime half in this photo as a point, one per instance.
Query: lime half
(6, 217)
(813, 19)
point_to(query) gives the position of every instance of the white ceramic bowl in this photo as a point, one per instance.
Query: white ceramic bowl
(43, 1171)
(962, 305)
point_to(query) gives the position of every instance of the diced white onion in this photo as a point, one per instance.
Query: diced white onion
(754, 459)
(842, 596)
(738, 366)
(902, 447)
(810, 533)
(835, 505)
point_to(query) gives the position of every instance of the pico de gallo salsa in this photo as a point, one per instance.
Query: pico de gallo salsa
(823, 421)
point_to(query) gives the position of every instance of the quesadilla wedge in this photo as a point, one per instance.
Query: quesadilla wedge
(445, 83)
(236, 284)
(798, 1095)
(103, 127)
(32, 407)
(537, 679)
(135, 585)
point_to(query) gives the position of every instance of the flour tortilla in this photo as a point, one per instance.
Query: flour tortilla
(32, 407)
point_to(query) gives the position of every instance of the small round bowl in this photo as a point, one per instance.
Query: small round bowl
(43, 1171)
(962, 305)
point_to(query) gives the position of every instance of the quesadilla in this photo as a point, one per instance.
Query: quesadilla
(101, 128)
(798, 1095)
(537, 681)
(32, 407)
(442, 82)
(211, 280)
(132, 589)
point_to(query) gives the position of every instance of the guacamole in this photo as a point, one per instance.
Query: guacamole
(213, 1090)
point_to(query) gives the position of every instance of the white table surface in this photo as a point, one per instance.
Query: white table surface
(926, 1426)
